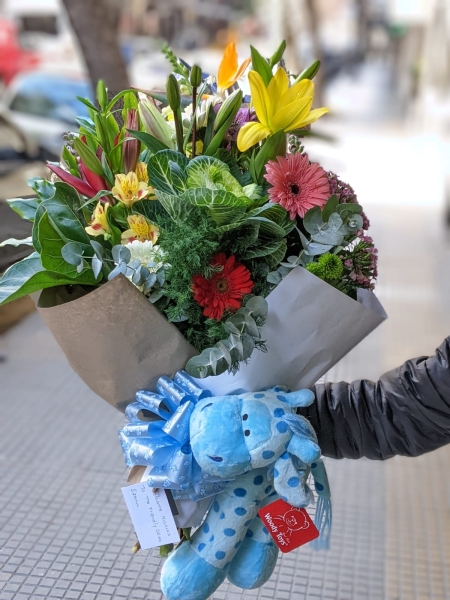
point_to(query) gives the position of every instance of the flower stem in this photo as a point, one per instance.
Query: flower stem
(194, 126)
(178, 130)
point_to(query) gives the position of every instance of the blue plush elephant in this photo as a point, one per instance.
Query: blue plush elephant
(266, 452)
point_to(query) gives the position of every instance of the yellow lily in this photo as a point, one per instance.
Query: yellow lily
(141, 172)
(99, 223)
(140, 229)
(229, 70)
(128, 189)
(278, 108)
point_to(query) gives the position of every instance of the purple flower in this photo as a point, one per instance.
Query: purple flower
(243, 116)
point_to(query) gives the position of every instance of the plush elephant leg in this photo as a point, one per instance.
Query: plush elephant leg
(186, 576)
(256, 558)
(197, 568)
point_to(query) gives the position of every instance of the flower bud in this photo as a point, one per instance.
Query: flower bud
(154, 123)
(131, 146)
(173, 92)
(195, 77)
(310, 72)
(228, 109)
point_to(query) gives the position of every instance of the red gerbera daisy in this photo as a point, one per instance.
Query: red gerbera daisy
(225, 289)
(297, 184)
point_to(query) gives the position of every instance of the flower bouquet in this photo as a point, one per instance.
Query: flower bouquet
(187, 247)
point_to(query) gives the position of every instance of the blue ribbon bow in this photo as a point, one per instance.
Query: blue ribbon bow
(163, 444)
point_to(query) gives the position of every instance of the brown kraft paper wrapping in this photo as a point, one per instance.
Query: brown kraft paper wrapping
(114, 339)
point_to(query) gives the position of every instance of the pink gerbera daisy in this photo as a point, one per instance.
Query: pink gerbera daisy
(297, 184)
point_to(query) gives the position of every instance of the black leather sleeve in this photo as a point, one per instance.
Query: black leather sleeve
(407, 412)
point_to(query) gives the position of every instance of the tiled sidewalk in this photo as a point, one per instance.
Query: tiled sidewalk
(64, 529)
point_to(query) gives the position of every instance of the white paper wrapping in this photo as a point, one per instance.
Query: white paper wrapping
(310, 326)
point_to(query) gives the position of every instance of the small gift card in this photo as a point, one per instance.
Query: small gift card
(151, 515)
(290, 527)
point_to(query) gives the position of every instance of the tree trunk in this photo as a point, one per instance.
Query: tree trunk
(314, 24)
(95, 25)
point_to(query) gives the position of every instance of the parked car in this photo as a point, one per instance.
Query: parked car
(43, 105)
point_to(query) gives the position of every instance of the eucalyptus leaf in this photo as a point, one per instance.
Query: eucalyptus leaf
(97, 265)
(121, 254)
(312, 221)
(120, 269)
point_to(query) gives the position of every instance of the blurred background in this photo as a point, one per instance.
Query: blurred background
(385, 76)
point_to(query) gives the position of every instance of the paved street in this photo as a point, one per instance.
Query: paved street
(64, 530)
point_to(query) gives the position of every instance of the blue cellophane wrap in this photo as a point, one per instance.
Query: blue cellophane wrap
(163, 444)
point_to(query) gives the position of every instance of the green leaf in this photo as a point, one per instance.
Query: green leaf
(276, 257)
(150, 209)
(102, 94)
(28, 276)
(51, 249)
(352, 208)
(159, 171)
(209, 172)
(116, 98)
(65, 214)
(261, 66)
(88, 103)
(70, 160)
(274, 146)
(25, 207)
(87, 125)
(209, 127)
(43, 188)
(223, 207)
(266, 248)
(330, 207)
(28, 241)
(149, 141)
(268, 228)
(278, 54)
(177, 208)
(88, 157)
(215, 142)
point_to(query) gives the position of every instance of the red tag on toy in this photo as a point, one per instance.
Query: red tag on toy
(290, 527)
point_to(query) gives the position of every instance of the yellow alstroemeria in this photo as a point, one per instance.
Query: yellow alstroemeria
(229, 69)
(140, 229)
(99, 223)
(141, 172)
(128, 189)
(278, 108)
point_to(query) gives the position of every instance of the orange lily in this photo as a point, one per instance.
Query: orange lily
(229, 70)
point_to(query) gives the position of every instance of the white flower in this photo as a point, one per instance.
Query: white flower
(147, 253)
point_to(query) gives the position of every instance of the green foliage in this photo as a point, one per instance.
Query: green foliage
(261, 66)
(327, 231)
(25, 207)
(28, 276)
(243, 329)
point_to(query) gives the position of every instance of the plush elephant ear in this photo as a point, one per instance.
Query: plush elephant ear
(298, 399)
(303, 443)
(290, 481)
